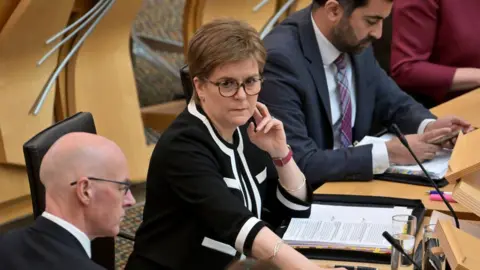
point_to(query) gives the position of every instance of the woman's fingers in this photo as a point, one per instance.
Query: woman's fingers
(263, 109)
(257, 116)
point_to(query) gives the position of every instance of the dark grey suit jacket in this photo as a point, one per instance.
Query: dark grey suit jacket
(43, 246)
(295, 91)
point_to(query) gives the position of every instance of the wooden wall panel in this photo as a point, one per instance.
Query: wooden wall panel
(21, 46)
(13, 182)
(199, 12)
(242, 10)
(6, 9)
(300, 4)
(18, 208)
(101, 81)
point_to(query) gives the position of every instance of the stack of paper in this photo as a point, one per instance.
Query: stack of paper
(436, 168)
(343, 227)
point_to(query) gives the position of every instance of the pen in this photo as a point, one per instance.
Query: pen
(436, 197)
(435, 192)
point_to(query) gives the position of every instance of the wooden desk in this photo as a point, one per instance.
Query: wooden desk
(391, 189)
(465, 106)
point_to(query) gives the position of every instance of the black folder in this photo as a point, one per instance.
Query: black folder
(410, 179)
(418, 210)
(405, 178)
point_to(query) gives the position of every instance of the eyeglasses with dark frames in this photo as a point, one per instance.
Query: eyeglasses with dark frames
(125, 184)
(230, 87)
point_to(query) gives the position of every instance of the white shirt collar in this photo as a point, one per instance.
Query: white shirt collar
(81, 236)
(327, 50)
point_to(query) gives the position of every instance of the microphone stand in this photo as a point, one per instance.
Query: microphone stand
(404, 141)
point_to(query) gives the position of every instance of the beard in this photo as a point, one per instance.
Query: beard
(345, 40)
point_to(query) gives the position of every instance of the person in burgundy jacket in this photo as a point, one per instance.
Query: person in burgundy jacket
(436, 48)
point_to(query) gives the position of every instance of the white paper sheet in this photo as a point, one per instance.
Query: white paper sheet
(437, 167)
(343, 226)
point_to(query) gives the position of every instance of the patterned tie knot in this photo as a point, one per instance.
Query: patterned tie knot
(340, 62)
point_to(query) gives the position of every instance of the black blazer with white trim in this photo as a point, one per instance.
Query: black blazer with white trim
(205, 197)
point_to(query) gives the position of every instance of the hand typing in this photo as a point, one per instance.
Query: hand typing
(452, 122)
(398, 154)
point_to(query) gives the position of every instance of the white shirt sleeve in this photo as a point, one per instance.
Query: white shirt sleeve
(380, 160)
(424, 124)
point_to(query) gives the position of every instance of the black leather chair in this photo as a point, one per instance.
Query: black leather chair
(103, 249)
(186, 83)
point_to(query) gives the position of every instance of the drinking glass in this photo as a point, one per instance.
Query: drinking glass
(404, 228)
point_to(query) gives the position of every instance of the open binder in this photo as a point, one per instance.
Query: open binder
(465, 160)
(355, 254)
(410, 179)
(404, 178)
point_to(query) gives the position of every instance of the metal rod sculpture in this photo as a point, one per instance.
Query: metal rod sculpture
(275, 18)
(102, 7)
(260, 5)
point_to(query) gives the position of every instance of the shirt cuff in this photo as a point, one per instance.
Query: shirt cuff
(380, 160)
(423, 125)
(248, 232)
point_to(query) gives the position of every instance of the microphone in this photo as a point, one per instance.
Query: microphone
(397, 246)
(404, 141)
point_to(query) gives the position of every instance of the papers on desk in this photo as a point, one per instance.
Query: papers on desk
(436, 168)
(343, 227)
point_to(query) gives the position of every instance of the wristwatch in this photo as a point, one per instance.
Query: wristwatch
(280, 162)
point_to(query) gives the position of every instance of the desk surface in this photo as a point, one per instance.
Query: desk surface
(390, 189)
(465, 106)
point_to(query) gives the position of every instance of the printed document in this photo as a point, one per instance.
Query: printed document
(343, 227)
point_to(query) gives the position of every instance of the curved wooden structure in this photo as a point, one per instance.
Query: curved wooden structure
(20, 84)
(199, 12)
(21, 80)
(6, 9)
(61, 100)
(299, 4)
(15, 199)
(98, 79)
(101, 81)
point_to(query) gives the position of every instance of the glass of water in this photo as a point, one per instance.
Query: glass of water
(404, 228)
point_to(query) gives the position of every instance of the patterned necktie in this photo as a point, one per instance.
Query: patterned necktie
(345, 101)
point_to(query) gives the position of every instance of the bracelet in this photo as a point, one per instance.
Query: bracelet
(296, 189)
(280, 162)
(276, 249)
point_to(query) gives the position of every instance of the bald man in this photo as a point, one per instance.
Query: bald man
(87, 188)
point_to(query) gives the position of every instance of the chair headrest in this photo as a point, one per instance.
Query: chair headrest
(35, 148)
(186, 82)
